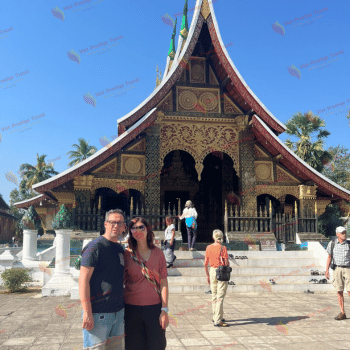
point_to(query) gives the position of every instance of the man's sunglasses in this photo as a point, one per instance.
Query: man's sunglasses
(140, 228)
(115, 223)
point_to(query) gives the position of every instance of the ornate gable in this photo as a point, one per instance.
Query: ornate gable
(138, 147)
(284, 176)
(108, 168)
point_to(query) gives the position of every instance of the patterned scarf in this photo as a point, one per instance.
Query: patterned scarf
(145, 272)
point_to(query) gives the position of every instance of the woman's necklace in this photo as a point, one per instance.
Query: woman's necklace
(145, 255)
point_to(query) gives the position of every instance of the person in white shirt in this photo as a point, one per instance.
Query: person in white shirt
(169, 242)
(190, 215)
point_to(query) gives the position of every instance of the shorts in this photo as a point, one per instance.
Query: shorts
(108, 332)
(341, 277)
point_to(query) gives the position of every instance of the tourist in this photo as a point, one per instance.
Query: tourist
(341, 274)
(101, 286)
(146, 290)
(190, 215)
(169, 242)
(216, 255)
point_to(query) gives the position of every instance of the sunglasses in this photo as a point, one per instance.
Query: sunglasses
(138, 228)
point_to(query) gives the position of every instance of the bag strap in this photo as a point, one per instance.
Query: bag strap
(220, 257)
(145, 272)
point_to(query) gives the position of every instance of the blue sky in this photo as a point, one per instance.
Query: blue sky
(42, 108)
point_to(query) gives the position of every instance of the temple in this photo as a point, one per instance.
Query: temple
(203, 135)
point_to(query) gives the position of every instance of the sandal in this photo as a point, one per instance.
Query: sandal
(221, 324)
(231, 283)
(308, 291)
(272, 281)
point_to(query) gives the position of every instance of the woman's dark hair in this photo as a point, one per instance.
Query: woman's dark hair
(150, 235)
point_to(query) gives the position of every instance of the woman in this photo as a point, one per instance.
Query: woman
(190, 215)
(146, 290)
(216, 255)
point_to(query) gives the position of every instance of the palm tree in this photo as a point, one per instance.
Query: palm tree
(307, 128)
(40, 172)
(82, 151)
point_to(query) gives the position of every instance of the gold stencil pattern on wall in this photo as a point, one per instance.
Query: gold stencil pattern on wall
(197, 71)
(199, 140)
(133, 165)
(263, 171)
(198, 100)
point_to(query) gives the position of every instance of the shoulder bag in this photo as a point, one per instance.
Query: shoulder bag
(223, 273)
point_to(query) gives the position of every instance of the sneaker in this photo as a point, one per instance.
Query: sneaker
(341, 316)
(208, 292)
(169, 265)
(221, 324)
(192, 249)
(174, 258)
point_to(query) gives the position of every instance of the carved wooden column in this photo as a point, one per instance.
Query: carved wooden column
(153, 167)
(247, 169)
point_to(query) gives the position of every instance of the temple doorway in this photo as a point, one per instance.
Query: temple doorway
(218, 180)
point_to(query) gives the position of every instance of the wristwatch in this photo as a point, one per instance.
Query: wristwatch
(165, 309)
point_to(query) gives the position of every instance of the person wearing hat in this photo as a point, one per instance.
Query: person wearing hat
(190, 215)
(216, 255)
(341, 274)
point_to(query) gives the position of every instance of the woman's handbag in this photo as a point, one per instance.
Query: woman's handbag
(223, 273)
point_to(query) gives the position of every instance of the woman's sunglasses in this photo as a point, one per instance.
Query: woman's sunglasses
(138, 228)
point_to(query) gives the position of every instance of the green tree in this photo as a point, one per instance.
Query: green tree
(338, 169)
(81, 152)
(35, 174)
(310, 133)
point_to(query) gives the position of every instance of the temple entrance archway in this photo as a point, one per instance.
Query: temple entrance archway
(218, 179)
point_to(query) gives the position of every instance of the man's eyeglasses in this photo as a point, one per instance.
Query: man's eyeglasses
(116, 223)
(140, 228)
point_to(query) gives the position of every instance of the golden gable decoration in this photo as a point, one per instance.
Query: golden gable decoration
(284, 176)
(263, 171)
(260, 153)
(167, 103)
(108, 168)
(212, 78)
(230, 107)
(83, 182)
(198, 100)
(133, 165)
(197, 70)
(138, 147)
(205, 10)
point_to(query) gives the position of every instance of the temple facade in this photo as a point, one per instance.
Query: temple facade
(203, 135)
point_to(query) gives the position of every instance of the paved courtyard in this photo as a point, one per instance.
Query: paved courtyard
(257, 321)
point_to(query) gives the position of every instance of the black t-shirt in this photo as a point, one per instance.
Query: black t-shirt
(106, 283)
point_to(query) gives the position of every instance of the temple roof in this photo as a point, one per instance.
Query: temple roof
(32, 201)
(235, 84)
(295, 164)
(265, 125)
(99, 156)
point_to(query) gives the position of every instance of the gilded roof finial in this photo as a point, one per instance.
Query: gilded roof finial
(184, 24)
(172, 51)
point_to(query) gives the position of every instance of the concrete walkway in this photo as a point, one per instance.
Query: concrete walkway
(257, 321)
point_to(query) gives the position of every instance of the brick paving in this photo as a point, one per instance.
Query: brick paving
(257, 321)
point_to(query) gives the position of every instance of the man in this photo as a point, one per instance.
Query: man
(101, 287)
(341, 274)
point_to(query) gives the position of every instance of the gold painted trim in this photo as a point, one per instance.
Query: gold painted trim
(98, 170)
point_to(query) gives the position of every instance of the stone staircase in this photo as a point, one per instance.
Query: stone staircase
(251, 272)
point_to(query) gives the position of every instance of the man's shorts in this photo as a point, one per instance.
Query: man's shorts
(341, 278)
(108, 332)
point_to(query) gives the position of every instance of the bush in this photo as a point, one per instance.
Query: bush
(330, 220)
(13, 279)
